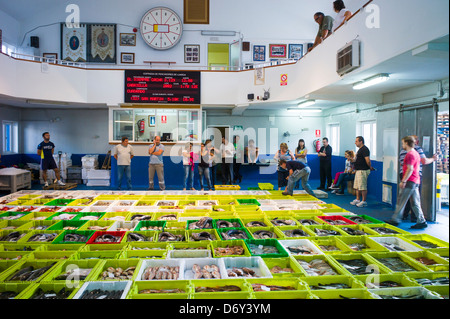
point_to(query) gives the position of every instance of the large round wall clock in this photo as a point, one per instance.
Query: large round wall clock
(161, 28)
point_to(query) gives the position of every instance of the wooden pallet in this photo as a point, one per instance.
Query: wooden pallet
(59, 187)
(107, 161)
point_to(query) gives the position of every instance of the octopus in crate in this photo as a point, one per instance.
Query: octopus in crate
(202, 223)
(279, 270)
(308, 222)
(256, 223)
(295, 233)
(264, 234)
(75, 238)
(227, 224)
(202, 236)
(206, 272)
(261, 287)
(234, 234)
(161, 273)
(141, 217)
(13, 236)
(43, 237)
(168, 217)
(118, 273)
(246, 272)
(283, 222)
(166, 236)
(228, 288)
(138, 237)
(162, 291)
(229, 251)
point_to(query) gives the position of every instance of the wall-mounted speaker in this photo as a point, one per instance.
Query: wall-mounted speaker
(34, 42)
(251, 96)
(246, 46)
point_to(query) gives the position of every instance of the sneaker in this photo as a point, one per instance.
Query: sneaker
(334, 191)
(354, 202)
(361, 204)
(46, 184)
(419, 226)
(61, 183)
(335, 187)
(285, 193)
(339, 193)
(392, 222)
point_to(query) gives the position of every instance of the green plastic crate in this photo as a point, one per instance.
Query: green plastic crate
(314, 282)
(265, 186)
(214, 283)
(342, 248)
(188, 222)
(13, 215)
(373, 281)
(6, 265)
(52, 255)
(189, 245)
(252, 231)
(62, 247)
(224, 230)
(358, 256)
(370, 245)
(305, 294)
(36, 264)
(54, 217)
(64, 266)
(368, 218)
(442, 291)
(20, 202)
(184, 285)
(4, 233)
(46, 287)
(149, 235)
(326, 227)
(367, 230)
(36, 216)
(331, 262)
(428, 275)
(288, 262)
(87, 224)
(250, 202)
(231, 220)
(59, 202)
(60, 238)
(18, 288)
(143, 254)
(295, 284)
(418, 267)
(174, 225)
(20, 247)
(66, 223)
(13, 255)
(104, 247)
(105, 254)
(440, 262)
(32, 225)
(147, 223)
(267, 242)
(428, 238)
(119, 263)
(398, 230)
(213, 233)
(108, 216)
(19, 224)
(215, 245)
(81, 215)
(281, 231)
(344, 294)
(246, 221)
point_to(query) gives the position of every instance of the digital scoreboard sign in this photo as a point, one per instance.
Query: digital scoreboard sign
(162, 87)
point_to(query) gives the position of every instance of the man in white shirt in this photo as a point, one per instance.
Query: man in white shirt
(123, 153)
(227, 151)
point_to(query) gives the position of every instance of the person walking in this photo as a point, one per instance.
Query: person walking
(45, 150)
(283, 154)
(347, 175)
(423, 161)
(123, 153)
(325, 154)
(297, 171)
(188, 166)
(227, 151)
(363, 166)
(203, 166)
(156, 164)
(409, 186)
(238, 159)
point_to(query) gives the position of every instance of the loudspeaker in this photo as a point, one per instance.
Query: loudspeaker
(251, 96)
(34, 42)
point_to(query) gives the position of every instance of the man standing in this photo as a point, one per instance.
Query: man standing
(123, 153)
(325, 164)
(297, 170)
(423, 161)
(325, 28)
(227, 151)
(409, 186)
(238, 159)
(156, 164)
(363, 166)
(45, 150)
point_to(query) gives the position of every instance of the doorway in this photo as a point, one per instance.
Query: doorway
(218, 56)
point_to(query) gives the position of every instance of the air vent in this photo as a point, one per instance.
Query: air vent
(348, 58)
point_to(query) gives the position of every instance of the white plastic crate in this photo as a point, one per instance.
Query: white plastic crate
(131, 225)
(395, 241)
(189, 253)
(159, 263)
(188, 263)
(98, 182)
(408, 291)
(98, 174)
(105, 285)
(300, 242)
(254, 263)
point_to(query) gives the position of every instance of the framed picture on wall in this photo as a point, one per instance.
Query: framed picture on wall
(192, 53)
(127, 39)
(260, 76)
(295, 51)
(127, 58)
(277, 50)
(259, 53)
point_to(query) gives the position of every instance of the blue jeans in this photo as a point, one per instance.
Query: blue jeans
(204, 172)
(302, 175)
(409, 193)
(188, 172)
(213, 175)
(121, 169)
(343, 179)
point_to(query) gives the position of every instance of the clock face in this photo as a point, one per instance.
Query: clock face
(161, 28)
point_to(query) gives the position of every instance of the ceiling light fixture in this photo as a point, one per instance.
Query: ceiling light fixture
(316, 110)
(374, 80)
(307, 103)
(43, 102)
(219, 33)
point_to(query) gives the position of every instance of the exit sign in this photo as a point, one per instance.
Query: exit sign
(317, 133)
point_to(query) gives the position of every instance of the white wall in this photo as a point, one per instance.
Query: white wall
(10, 28)
(8, 114)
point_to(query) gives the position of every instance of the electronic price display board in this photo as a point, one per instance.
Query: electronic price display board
(162, 87)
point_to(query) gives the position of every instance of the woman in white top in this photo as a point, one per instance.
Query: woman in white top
(342, 14)
(252, 152)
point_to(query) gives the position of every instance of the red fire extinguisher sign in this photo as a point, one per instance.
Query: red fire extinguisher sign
(317, 133)
(164, 119)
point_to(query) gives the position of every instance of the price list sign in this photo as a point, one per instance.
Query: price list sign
(162, 87)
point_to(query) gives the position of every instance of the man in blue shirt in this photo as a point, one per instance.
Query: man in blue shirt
(45, 150)
(297, 171)
(156, 164)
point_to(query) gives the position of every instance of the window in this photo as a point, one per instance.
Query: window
(368, 130)
(10, 137)
(334, 137)
(123, 125)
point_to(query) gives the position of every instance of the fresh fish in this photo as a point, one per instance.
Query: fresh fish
(329, 286)
(234, 234)
(264, 234)
(41, 294)
(202, 236)
(227, 224)
(353, 232)
(203, 223)
(326, 232)
(385, 231)
(425, 244)
(256, 224)
(295, 233)
(166, 236)
(442, 281)
(355, 266)
(138, 237)
(308, 222)
(358, 220)
(102, 294)
(396, 264)
(283, 222)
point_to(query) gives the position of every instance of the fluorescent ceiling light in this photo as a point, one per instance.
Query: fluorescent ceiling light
(307, 103)
(124, 122)
(377, 79)
(219, 33)
(43, 102)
